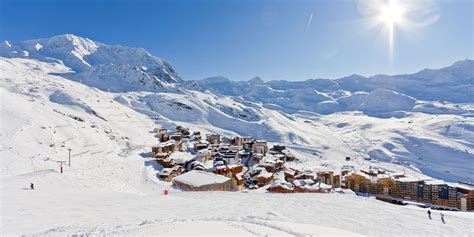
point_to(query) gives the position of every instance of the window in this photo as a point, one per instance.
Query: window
(420, 190)
(443, 192)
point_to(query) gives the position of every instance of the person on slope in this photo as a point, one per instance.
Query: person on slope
(32, 186)
(442, 218)
(429, 214)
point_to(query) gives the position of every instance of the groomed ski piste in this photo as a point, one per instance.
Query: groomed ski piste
(111, 187)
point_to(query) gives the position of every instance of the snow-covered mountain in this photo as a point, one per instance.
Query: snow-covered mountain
(104, 101)
(110, 68)
(328, 119)
(453, 84)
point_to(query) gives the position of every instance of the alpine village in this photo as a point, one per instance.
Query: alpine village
(219, 163)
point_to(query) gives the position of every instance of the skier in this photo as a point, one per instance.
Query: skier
(32, 186)
(429, 214)
(442, 218)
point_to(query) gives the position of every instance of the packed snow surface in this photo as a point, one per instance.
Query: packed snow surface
(60, 206)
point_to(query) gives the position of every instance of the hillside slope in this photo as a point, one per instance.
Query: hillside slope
(421, 133)
(46, 110)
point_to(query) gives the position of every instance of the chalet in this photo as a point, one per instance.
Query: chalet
(169, 173)
(305, 186)
(237, 181)
(247, 139)
(289, 174)
(220, 168)
(237, 141)
(260, 176)
(203, 155)
(248, 144)
(226, 140)
(278, 148)
(281, 187)
(164, 147)
(309, 186)
(236, 168)
(184, 131)
(232, 171)
(260, 147)
(308, 174)
(166, 162)
(213, 138)
(197, 180)
(193, 165)
(279, 164)
(218, 163)
(269, 166)
(230, 155)
(465, 196)
(227, 170)
(337, 181)
(176, 136)
(161, 155)
(200, 145)
(256, 158)
(163, 135)
(326, 177)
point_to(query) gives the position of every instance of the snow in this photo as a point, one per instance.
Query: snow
(198, 178)
(77, 97)
(109, 68)
(59, 206)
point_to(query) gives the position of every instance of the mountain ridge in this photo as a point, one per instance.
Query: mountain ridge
(97, 64)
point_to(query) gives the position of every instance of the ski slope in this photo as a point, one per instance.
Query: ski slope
(111, 185)
(60, 206)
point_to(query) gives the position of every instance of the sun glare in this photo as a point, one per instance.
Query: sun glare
(391, 13)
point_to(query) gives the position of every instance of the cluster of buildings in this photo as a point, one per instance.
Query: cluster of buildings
(396, 187)
(220, 163)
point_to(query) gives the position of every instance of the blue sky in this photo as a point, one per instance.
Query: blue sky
(243, 39)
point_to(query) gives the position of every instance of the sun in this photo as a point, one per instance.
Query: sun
(391, 13)
(391, 17)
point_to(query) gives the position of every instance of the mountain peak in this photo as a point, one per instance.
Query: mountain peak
(68, 37)
(68, 44)
(107, 67)
(463, 63)
(256, 80)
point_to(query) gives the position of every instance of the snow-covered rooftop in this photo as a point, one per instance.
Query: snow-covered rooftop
(198, 178)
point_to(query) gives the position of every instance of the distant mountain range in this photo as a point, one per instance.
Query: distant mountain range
(454, 84)
(122, 69)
